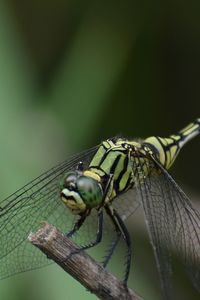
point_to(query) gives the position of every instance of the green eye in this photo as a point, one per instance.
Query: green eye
(90, 191)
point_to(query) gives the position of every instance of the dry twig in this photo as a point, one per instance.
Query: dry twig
(80, 265)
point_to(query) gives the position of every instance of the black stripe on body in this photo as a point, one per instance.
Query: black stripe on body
(121, 174)
(164, 147)
(115, 163)
(167, 148)
(128, 183)
(104, 156)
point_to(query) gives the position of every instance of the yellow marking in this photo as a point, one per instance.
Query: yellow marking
(97, 158)
(76, 207)
(111, 144)
(188, 127)
(165, 142)
(155, 142)
(169, 141)
(124, 180)
(108, 144)
(100, 172)
(190, 130)
(173, 150)
(113, 195)
(168, 160)
(92, 175)
(175, 137)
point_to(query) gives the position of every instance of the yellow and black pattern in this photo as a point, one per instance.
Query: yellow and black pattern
(168, 148)
(113, 157)
(107, 179)
(120, 156)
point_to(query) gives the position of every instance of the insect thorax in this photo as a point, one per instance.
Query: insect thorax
(119, 159)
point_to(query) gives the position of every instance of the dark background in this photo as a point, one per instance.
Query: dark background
(73, 73)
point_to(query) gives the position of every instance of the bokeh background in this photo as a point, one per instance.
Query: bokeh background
(74, 72)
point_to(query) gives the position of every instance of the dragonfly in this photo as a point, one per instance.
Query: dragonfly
(96, 191)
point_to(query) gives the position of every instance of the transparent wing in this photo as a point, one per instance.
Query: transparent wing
(172, 222)
(127, 203)
(23, 211)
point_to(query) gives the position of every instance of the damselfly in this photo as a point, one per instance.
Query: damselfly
(110, 179)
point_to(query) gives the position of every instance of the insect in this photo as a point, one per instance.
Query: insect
(110, 180)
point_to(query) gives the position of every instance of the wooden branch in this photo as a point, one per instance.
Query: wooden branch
(80, 265)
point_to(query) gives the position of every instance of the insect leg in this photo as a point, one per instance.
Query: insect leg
(78, 224)
(120, 226)
(98, 234)
(111, 249)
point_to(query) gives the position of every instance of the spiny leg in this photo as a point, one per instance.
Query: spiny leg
(111, 249)
(78, 224)
(120, 226)
(98, 234)
(116, 240)
(128, 243)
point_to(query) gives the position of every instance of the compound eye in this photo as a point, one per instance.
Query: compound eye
(90, 191)
(70, 181)
(86, 185)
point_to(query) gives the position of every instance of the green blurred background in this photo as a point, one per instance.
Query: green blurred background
(73, 73)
